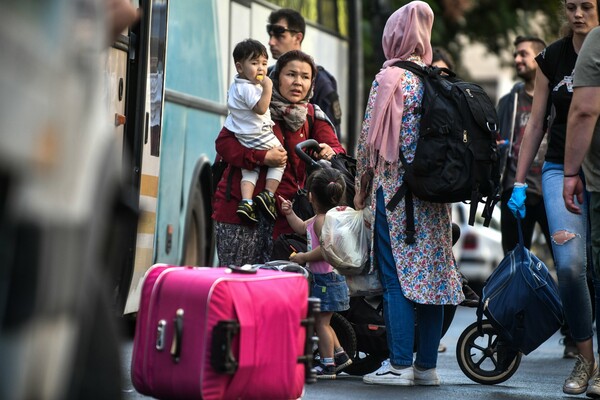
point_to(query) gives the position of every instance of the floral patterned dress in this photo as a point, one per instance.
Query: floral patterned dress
(426, 269)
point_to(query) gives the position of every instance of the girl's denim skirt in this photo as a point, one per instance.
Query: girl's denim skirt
(331, 288)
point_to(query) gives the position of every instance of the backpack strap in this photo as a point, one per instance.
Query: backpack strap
(404, 192)
(412, 67)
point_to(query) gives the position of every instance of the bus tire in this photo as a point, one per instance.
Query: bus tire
(198, 240)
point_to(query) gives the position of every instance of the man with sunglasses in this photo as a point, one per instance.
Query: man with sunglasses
(286, 30)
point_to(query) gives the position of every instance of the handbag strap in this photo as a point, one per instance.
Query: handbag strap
(310, 120)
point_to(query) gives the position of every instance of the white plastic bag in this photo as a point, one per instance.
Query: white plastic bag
(345, 239)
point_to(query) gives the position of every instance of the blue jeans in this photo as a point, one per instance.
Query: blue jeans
(569, 256)
(399, 312)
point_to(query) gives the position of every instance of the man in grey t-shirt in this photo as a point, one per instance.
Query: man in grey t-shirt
(583, 148)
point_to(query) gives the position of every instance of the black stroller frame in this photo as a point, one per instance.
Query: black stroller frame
(361, 330)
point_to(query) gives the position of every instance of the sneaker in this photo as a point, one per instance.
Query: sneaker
(246, 212)
(388, 375)
(426, 377)
(583, 371)
(325, 371)
(593, 390)
(342, 361)
(266, 203)
(571, 350)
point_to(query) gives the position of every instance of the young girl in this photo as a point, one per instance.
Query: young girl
(325, 190)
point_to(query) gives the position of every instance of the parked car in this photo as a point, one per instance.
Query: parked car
(479, 249)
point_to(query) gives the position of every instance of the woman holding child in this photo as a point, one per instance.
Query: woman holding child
(295, 121)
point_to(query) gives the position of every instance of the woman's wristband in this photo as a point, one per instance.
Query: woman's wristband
(571, 175)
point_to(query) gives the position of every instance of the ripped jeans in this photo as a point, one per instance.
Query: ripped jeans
(569, 237)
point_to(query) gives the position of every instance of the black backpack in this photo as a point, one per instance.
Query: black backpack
(456, 157)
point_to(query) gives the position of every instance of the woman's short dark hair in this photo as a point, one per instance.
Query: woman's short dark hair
(249, 49)
(295, 55)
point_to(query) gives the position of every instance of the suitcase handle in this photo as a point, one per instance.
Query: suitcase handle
(221, 355)
(177, 336)
(244, 269)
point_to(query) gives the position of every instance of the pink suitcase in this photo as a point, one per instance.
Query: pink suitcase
(216, 333)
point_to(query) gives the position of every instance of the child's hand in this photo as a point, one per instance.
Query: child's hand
(265, 81)
(299, 258)
(286, 206)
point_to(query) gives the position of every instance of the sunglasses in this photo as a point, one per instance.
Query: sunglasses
(278, 30)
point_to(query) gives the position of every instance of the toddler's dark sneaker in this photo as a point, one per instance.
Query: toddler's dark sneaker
(266, 203)
(342, 361)
(246, 212)
(325, 371)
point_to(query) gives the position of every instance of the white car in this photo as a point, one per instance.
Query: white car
(479, 249)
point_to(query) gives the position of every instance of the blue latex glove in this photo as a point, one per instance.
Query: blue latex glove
(516, 204)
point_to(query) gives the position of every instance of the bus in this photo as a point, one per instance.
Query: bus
(168, 79)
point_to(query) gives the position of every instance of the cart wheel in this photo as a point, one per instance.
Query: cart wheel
(477, 355)
(345, 333)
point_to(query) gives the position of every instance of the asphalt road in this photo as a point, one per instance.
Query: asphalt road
(539, 376)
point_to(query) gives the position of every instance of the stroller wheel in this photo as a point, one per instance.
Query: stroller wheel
(478, 356)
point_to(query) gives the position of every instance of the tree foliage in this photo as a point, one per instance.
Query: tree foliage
(493, 23)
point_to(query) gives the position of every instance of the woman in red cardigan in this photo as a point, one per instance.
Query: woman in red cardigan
(295, 121)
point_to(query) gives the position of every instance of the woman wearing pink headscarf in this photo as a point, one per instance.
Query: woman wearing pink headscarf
(418, 279)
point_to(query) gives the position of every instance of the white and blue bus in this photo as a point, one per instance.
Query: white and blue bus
(168, 78)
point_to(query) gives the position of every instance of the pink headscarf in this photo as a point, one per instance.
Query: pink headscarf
(406, 32)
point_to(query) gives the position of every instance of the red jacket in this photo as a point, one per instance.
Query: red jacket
(238, 156)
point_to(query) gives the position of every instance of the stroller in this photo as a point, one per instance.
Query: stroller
(361, 329)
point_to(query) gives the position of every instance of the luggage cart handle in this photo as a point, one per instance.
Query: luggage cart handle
(310, 144)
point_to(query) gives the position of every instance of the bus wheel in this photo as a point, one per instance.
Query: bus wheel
(195, 238)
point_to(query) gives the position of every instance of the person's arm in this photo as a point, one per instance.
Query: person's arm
(534, 132)
(294, 221)
(120, 14)
(324, 134)
(583, 116)
(234, 153)
(362, 158)
(315, 254)
(262, 105)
